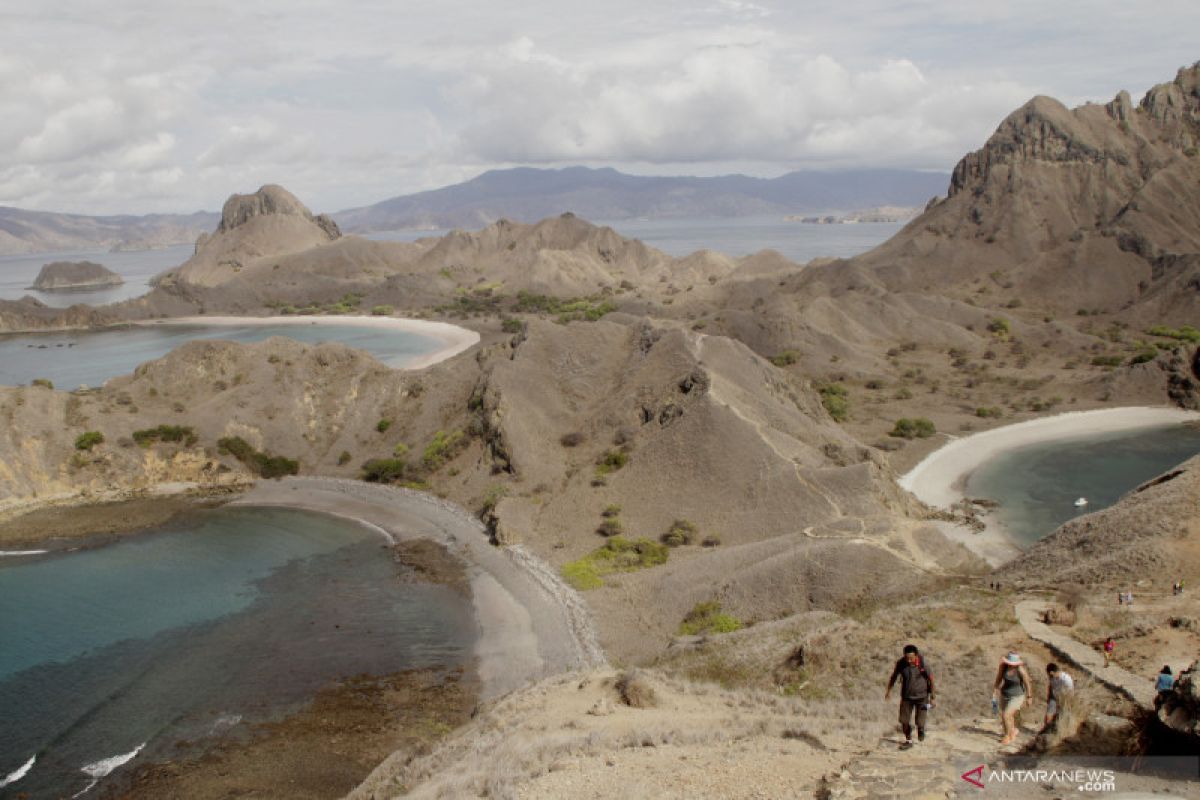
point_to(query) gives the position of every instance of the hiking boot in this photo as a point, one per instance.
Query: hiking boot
(920, 736)
(907, 744)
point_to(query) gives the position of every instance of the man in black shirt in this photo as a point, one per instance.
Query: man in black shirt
(916, 692)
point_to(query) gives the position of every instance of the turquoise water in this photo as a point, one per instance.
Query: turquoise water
(229, 617)
(1037, 485)
(72, 359)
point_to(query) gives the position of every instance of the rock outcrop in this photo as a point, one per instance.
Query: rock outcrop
(75, 275)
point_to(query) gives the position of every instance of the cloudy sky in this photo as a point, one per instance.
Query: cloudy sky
(136, 106)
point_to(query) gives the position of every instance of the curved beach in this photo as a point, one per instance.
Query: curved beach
(940, 478)
(531, 625)
(454, 339)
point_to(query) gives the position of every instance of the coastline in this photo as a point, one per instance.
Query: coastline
(454, 339)
(939, 479)
(531, 625)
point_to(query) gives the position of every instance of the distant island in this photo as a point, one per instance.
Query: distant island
(60, 275)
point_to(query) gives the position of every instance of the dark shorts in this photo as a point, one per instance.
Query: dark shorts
(908, 707)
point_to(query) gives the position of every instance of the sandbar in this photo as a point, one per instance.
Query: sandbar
(940, 478)
(531, 624)
(453, 338)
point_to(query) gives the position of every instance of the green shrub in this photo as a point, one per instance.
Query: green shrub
(786, 358)
(836, 400)
(383, 425)
(443, 447)
(1143, 356)
(991, 411)
(344, 458)
(263, 464)
(384, 470)
(611, 510)
(707, 617)
(1000, 327)
(680, 533)
(382, 311)
(1106, 361)
(611, 461)
(88, 440)
(512, 325)
(45, 383)
(711, 540)
(616, 555)
(492, 498)
(919, 428)
(610, 526)
(1184, 333)
(165, 433)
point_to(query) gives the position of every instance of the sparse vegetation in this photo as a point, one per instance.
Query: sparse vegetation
(610, 526)
(989, 411)
(572, 439)
(680, 533)
(711, 540)
(1106, 361)
(45, 383)
(383, 425)
(263, 464)
(919, 428)
(165, 433)
(707, 617)
(384, 470)
(1000, 328)
(88, 440)
(512, 325)
(568, 310)
(382, 311)
(618, 554)
(443, 448)
(1185, 333)
(611, 510)
(836, 400)
(344, 458)
(786, 358)
(611, 461)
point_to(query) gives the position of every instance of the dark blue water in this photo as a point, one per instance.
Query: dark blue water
(231, 617)
(72, 359)
(1037, 485)
(736, 237)
(136, 267)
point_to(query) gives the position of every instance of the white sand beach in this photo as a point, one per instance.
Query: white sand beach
(453, 338)
(531, 624)
(940, 478)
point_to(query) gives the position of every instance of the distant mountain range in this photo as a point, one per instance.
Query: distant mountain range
(523, 195)
(528, 195)
(24, 231)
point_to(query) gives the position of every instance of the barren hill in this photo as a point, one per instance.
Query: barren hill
(23, 231)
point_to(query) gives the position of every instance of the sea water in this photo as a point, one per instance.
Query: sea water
(1037, 485)
(738, 236)
(74, 358)
(110, 655)
(136, 267)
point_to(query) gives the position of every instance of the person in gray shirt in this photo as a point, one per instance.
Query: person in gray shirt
(916, 692)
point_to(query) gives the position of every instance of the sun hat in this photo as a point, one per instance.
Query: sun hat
(1013, 659)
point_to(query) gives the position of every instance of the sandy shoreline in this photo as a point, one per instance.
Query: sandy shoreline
(940, 478)
(454, 339)
(531, 624)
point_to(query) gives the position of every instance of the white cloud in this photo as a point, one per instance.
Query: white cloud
(137, 105)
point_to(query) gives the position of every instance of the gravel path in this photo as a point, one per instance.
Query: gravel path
(532, 625)
(1136, 687)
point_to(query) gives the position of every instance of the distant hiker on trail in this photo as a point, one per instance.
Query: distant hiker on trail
(1163, 686)
(1109, 648)
(1012, 689)
(916, 692)
(1061, 685)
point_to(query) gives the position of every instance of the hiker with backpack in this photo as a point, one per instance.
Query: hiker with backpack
(916, 692)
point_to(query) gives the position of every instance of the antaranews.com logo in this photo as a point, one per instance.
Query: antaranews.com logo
(1084, 780)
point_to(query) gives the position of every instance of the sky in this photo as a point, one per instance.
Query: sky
(141, 106)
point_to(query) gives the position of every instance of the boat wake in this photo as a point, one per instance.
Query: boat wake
(13, 553)
(17, 774)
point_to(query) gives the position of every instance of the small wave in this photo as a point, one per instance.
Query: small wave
(105, 766)
(99, 769)
(16, 775)
(9, 553)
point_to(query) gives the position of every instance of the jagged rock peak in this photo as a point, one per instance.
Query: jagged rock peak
(270, 200)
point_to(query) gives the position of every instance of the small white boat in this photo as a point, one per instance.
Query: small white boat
(1081, 502)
